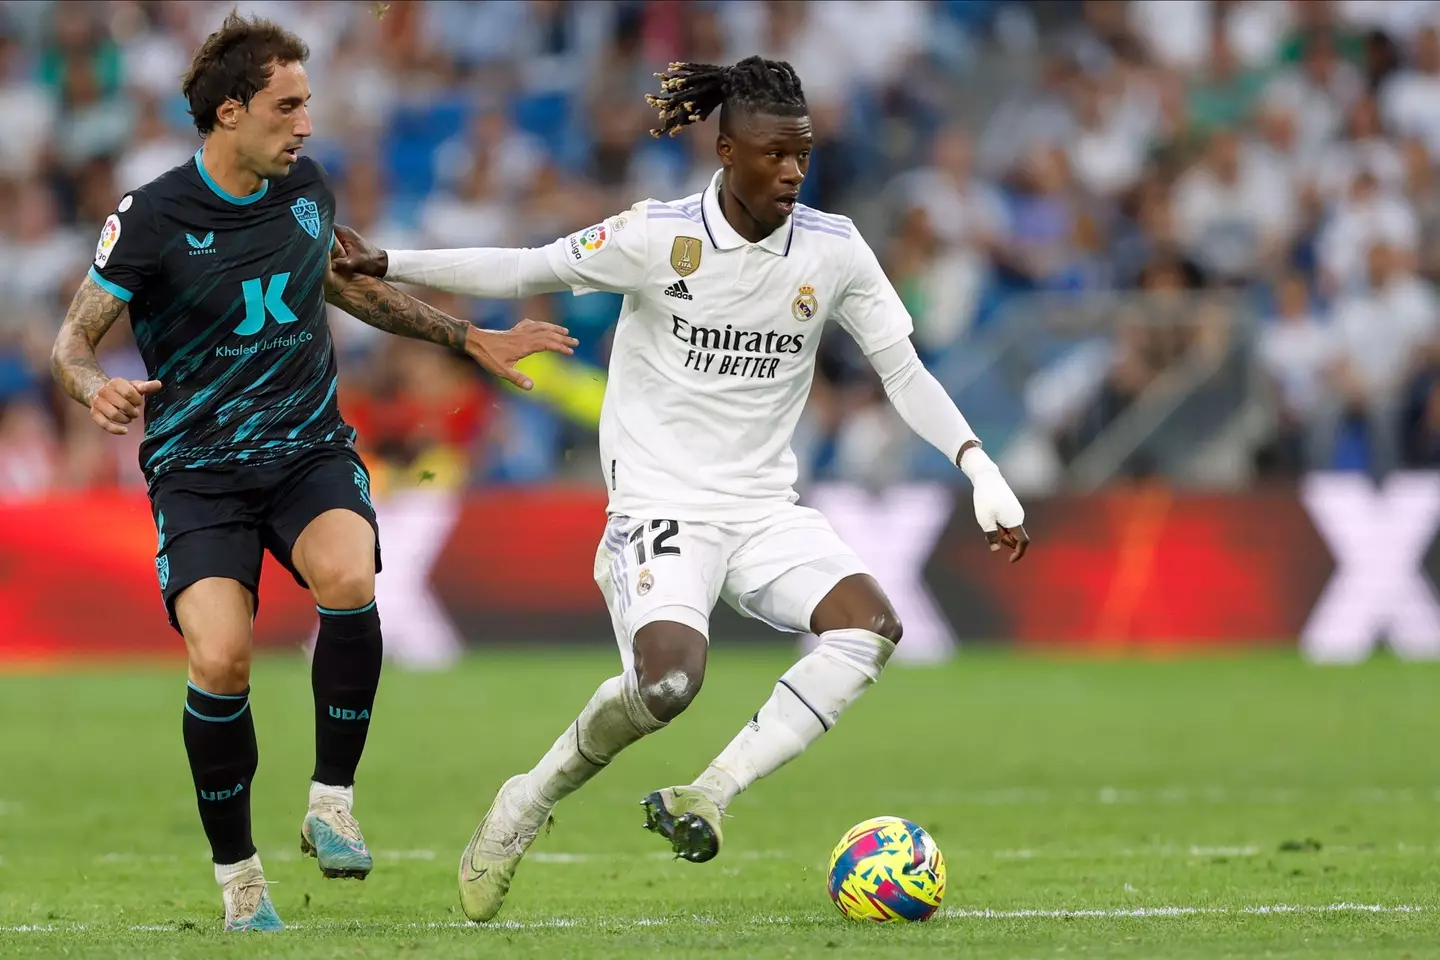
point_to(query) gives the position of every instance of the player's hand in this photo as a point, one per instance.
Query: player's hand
(119, 402)
(361, 256)
(997, 509)
(499, 350)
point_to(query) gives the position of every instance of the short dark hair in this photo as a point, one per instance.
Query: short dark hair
(235, 63)
(689, 92)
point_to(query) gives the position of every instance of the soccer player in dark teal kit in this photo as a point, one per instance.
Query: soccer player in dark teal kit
(224, 265)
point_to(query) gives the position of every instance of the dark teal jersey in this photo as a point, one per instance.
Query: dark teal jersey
(227, 301)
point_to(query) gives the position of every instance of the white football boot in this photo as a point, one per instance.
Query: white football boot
(496, 849)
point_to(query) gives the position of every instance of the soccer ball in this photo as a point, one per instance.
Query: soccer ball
(885, 869)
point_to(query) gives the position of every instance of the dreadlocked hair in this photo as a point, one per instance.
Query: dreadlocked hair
(690, 92)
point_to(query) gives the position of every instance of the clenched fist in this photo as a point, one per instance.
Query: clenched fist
(997, 509)
(119, 402)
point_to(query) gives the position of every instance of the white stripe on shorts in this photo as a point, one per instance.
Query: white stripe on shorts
(615, 540)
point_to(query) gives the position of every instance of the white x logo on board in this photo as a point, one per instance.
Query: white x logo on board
(1379, 591)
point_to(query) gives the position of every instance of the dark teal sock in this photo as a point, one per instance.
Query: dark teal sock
(344, 675)
(220, 742)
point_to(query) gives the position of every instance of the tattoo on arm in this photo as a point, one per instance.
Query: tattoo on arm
(382, 306)
(72, 361)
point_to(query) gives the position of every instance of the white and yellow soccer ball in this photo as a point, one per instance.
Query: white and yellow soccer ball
(887, 869)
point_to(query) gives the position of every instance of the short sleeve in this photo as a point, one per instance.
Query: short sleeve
(609, 256)
(127, 254)
(870, 310)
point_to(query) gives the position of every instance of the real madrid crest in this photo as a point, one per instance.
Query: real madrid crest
(645, 583)
(805, 306)
(685, 255)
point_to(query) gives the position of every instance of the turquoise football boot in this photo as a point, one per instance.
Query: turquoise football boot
(247, 905)
(332, 836)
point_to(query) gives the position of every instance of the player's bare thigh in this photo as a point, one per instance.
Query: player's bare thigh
(215, 616)
(335, 553)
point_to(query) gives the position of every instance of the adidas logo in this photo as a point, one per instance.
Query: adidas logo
(679, 291)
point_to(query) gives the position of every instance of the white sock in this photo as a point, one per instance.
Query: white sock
(228, 872)
(615, 717)
(807, 701)
(323, 792)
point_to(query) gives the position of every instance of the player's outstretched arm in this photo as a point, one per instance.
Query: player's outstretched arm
(490, 273)
(113, 402)
(382, 306)
(923, 404)
(611, 256)
(875, 316)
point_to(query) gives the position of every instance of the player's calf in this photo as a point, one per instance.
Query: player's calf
(335, 554)
(218, 727)
(344, 677)
(858, 630)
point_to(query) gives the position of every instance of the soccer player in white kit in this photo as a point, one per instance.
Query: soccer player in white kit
(726, 293)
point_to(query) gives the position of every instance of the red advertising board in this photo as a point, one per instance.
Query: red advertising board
(514, 567)
(1112, 572)
(1140, 568)
(78, 579)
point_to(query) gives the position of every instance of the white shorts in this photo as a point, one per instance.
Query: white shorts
(776, 570)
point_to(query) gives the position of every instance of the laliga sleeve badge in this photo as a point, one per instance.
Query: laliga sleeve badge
(685, 255)
(109, 235)
(805, 306)
(588, 242)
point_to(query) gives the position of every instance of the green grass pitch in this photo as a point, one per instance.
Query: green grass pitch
(1232, 807)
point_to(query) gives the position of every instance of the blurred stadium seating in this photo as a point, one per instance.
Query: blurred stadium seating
(1182, 240)
(1019, 166)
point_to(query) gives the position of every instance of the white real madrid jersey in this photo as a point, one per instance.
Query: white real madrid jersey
(715, 349)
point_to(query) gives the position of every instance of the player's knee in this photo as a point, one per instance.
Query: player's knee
(668, 691)
(669, 667)
(886, 623)
(220, 671)
(341, 583)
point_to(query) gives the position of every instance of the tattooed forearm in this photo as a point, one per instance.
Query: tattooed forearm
(382, 306)
(72, 361)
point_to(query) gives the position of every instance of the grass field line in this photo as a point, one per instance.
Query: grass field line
(952, 913)
(539, 856)
(564, 858)
(1150, 912)
(1176, 795)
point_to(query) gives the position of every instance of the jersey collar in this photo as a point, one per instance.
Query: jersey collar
(723, 236)
(220, 191)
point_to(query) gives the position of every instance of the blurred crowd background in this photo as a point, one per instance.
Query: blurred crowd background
(1190, 241)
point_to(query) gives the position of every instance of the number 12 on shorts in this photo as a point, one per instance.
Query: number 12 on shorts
(662, 531)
